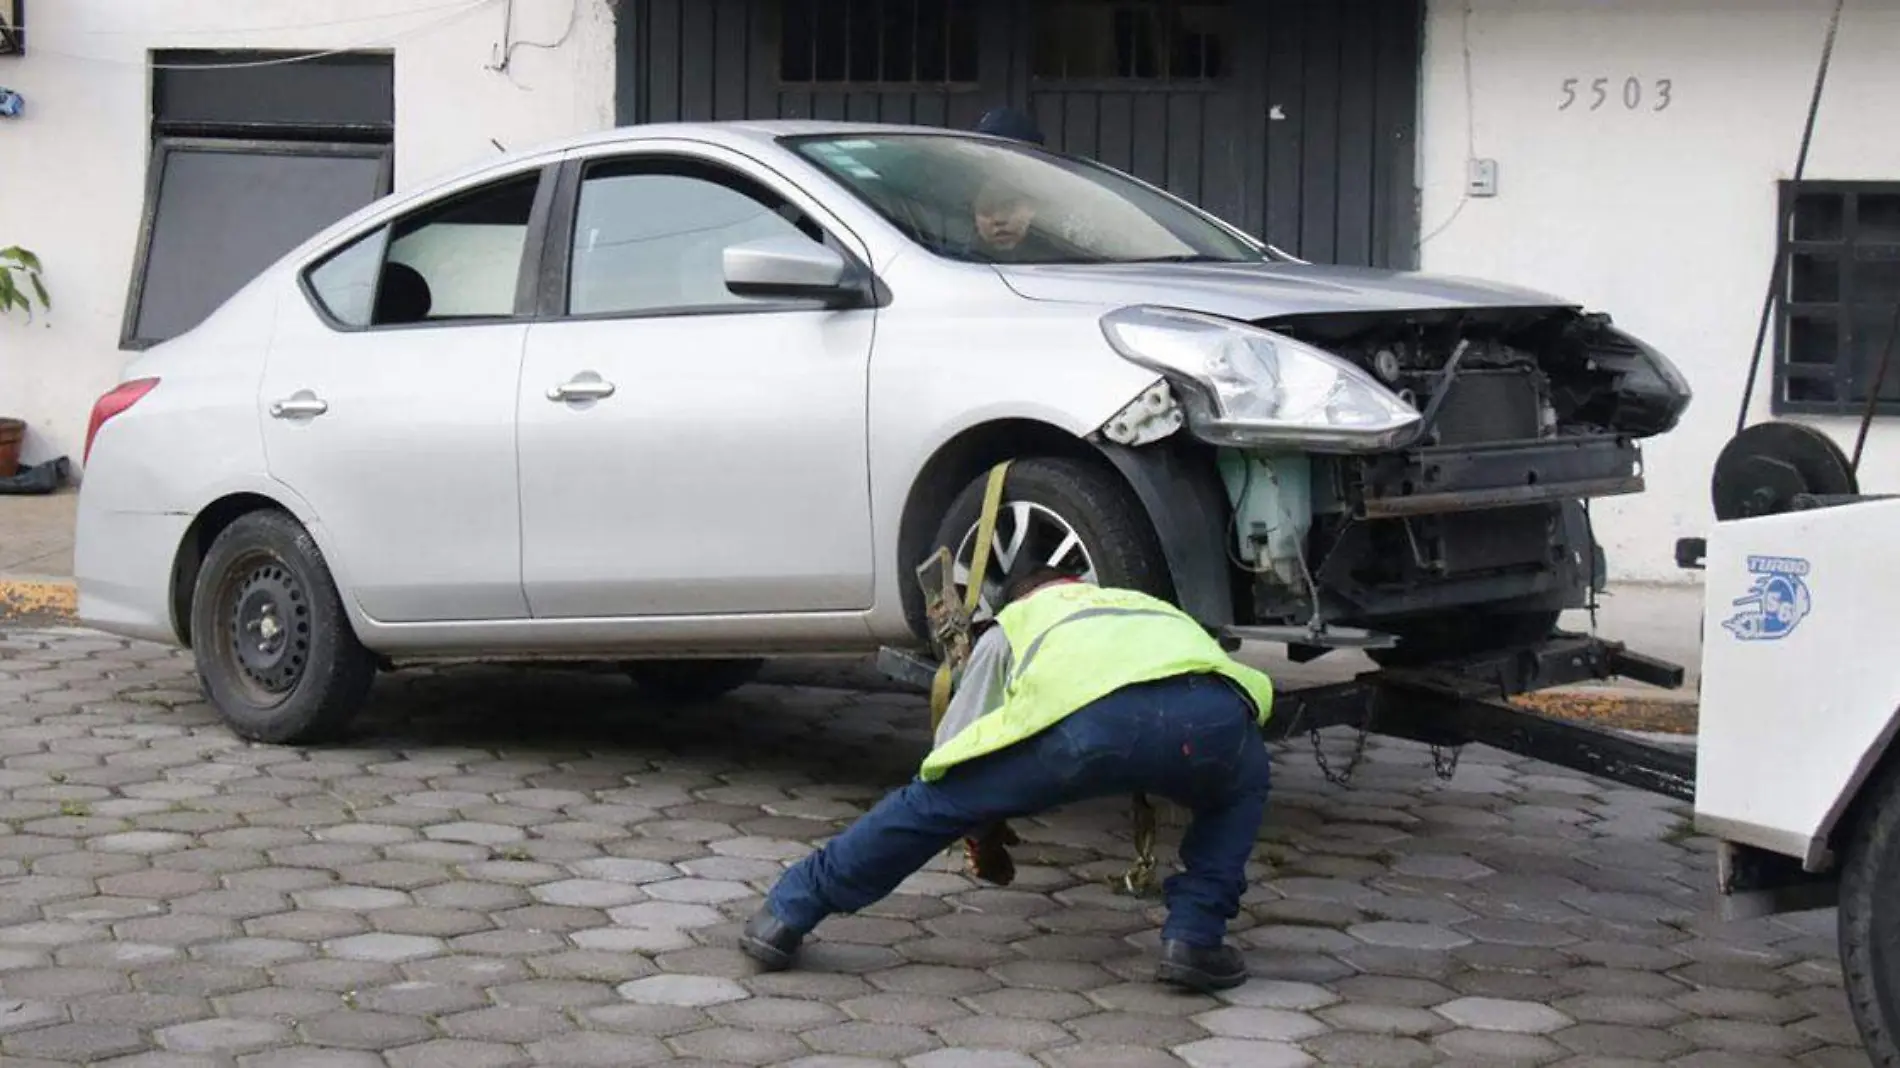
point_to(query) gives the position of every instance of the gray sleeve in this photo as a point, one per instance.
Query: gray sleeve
(979, 689)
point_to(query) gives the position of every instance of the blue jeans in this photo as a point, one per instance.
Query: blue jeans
(1191, 739)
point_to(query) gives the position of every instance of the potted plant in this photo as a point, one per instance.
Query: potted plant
(20, 287)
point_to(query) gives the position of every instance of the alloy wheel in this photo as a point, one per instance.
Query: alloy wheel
(1022, 527)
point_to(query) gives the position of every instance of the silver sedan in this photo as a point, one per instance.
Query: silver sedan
(691, 396)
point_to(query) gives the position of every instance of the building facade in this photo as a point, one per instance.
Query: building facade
(1640, 150)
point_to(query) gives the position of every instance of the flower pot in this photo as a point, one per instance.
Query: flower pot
(12, 433)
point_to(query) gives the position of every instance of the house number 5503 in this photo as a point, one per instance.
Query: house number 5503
(1632, 93)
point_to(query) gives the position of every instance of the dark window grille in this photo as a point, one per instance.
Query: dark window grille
(877, 42)
(252, 153)
(1840, 297)
(1117, 40)
(12, 27)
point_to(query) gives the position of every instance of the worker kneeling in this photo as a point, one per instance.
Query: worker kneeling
(1079, 691)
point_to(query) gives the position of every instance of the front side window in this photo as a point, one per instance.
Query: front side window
(651, 239)
(988, 202)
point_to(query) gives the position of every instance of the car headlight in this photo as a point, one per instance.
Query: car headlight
(1247, 387)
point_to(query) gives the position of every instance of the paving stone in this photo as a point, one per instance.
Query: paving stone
(595, 1049)
(1278, 1025)
(860, 1039)
(365, 1030)
(1744, 1036)
(19, 1014)
(1242, 1053)
(1494, 1014)
(1379, 1019)
(736, 1045)
(1135, 1029)
(1495, 1047)
(310, 1058)
(1621, 1040)
(695, 991)
(224, 1036)
(457, 1053)
(1001, 1033)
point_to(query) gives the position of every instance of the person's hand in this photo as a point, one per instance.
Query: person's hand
(986, 854)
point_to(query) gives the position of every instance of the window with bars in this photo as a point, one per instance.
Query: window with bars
(1840, 297)
(1116, 40)
(877, 42)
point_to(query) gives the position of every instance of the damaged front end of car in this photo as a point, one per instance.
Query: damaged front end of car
(1417, 479)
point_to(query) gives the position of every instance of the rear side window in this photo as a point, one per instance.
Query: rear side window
(345, 284)
(455, 260)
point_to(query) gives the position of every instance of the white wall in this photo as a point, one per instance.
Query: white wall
(1664, 218)
(72, 168)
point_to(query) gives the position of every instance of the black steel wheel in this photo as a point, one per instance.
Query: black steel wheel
(1870, 920)
(1061, 513)
(692, 680)
(274, 650)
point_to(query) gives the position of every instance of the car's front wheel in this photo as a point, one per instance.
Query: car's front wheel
(274, 649)
(1062, 513)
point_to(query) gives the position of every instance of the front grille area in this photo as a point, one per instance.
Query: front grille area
(1485, 405)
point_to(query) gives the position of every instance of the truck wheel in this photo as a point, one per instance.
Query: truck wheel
(1462, 633)
(1870, 922)
(692, 680)
(1062, 512)
(274, 649)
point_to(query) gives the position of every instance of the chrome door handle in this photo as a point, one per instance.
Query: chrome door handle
(299, 403)
(584, 386)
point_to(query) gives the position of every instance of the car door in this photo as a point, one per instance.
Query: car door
(389, 403)
(686, 451)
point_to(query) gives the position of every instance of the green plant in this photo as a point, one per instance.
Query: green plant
(17, 263)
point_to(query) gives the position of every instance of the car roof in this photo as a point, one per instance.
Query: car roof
(754, 131)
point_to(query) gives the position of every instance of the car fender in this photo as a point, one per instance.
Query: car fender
(260, 484)
(1179, 487)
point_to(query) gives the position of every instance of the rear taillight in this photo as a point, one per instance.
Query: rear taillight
(124, 396)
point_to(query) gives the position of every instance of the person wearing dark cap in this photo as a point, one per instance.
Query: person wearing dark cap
(1013, 123)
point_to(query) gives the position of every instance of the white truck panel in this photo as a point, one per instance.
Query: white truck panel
(1800, 680)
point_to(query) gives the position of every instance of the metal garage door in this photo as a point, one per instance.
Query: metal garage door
(1293, 118)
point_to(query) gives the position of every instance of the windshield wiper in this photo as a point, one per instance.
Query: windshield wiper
(1184, 257)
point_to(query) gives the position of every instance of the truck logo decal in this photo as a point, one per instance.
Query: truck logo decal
(1777, 602)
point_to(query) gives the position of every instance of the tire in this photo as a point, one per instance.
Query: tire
(692, 680)
(1461, 633)
(1116, 539)
(299, 679)
(1870, 921)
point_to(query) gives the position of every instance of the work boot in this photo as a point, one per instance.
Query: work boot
(1200, 968)
(769, 941)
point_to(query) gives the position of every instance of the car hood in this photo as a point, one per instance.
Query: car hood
(1257, 291)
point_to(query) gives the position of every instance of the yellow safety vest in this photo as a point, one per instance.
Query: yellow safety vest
(1074, 643)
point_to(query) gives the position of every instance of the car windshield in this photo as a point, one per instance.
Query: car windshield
(1004, 202)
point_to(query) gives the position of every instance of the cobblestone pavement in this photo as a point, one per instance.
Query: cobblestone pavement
(528, 867)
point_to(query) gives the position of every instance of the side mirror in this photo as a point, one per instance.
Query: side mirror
(792, 267)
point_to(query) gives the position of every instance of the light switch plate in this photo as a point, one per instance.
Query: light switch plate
(1481, 178)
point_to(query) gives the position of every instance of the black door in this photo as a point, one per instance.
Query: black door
(1294, 119)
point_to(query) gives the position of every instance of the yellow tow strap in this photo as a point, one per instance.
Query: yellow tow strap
(979, 567)
(988, 856)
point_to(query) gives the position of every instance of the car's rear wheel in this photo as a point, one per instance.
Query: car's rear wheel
(1870, 921)
(1460, 633)
(1062, 513)
(692, 680)
(274, 649)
